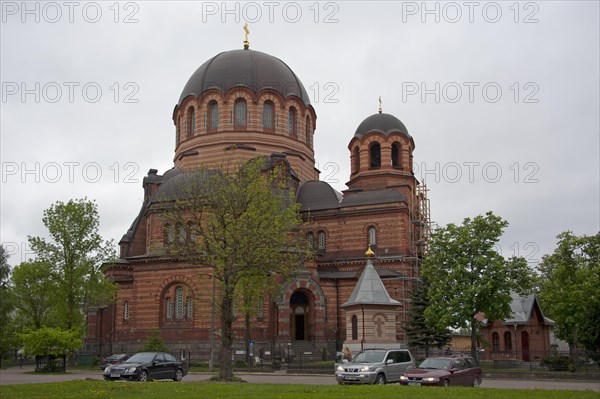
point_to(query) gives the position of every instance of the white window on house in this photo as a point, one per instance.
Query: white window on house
(372, 236)
(169, 234)
(169, 308)
(240, 112)
(268, 115)
(179, 303)
(308, 131)
(190, 308)
(191, 123)
(292, 121)
(310, 241)
(126, 310)
(213, 114)
(322, 243)
(259, 308)
(181, 233)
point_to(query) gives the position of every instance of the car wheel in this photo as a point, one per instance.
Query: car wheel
(446, 383)
(107, 379)
(380, 380)
(178, 375)
(144, 376)
(476, 382)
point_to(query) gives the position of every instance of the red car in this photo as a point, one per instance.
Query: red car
(444, 371)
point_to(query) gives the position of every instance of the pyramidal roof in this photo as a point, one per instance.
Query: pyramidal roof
(370, 289)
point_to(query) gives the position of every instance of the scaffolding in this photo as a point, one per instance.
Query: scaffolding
(420, 227)
(420, 233)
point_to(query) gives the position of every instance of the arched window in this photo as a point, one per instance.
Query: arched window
(126, 310)
(191, 122)
(169, 234)
(179, 303)
(260, 304)
(372, 232)
(181, 234)
(310, 241)
(191, 231)
(354, 328)
(322, 243)
(190, 308)
(495, 342)
(178, 130)
(375, 153)
(169, 308)
(213, 115)
(395, 155)
(507, 341)
(240, 112)
(292, 120)
(267, 116)
(356, 163)
(308, 131)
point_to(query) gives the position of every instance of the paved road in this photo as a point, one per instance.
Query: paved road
(20, 376)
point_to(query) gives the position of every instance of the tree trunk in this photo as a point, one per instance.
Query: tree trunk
(248, 339)
(225, 360)
(474, 340)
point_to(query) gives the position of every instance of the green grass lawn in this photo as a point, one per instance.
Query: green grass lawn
(208, 390)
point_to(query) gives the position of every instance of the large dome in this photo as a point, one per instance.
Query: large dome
(248, 68)
(384, 123)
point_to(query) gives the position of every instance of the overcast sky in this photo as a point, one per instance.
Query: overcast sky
(501, 98)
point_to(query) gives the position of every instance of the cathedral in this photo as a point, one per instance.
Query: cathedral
(239, 105)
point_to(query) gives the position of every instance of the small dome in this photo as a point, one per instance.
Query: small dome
(316, 195)
(384, 123)
(247, 68)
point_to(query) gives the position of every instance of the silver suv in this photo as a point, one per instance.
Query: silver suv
(375, 366)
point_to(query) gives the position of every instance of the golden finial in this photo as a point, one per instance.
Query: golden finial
(380, 110)
(369, 253)
(246, 33)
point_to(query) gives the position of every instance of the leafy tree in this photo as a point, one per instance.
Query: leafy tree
(244, 224)
(6, 305)
(467, 276)
(420, 334)
(569, 292)
(33, 288)
(76, 252)
(154, 343)
(48, 341)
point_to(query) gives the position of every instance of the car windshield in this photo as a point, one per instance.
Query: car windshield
(438, 364)
(141, 358)
(369, 357)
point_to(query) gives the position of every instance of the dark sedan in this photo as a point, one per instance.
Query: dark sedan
(113, 359)
(147, 366)
(444, 371)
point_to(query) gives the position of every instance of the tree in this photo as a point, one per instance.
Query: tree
(33, 289)
(76, 251)
(6, 305)
(243, 226)
(154, 343)
(419, 333)
(48, 341)
(569, 292)
(467, 276)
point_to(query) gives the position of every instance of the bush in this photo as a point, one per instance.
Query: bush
(558, 363)
(154, 343)
(240, 364)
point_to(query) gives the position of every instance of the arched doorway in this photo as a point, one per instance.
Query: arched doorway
(299, 316)
(525, 345)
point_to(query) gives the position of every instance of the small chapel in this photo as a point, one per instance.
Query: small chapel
(369, 239)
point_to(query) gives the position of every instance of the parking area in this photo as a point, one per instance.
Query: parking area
(25, 375)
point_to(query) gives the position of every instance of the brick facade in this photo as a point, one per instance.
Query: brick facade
(157, 291)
